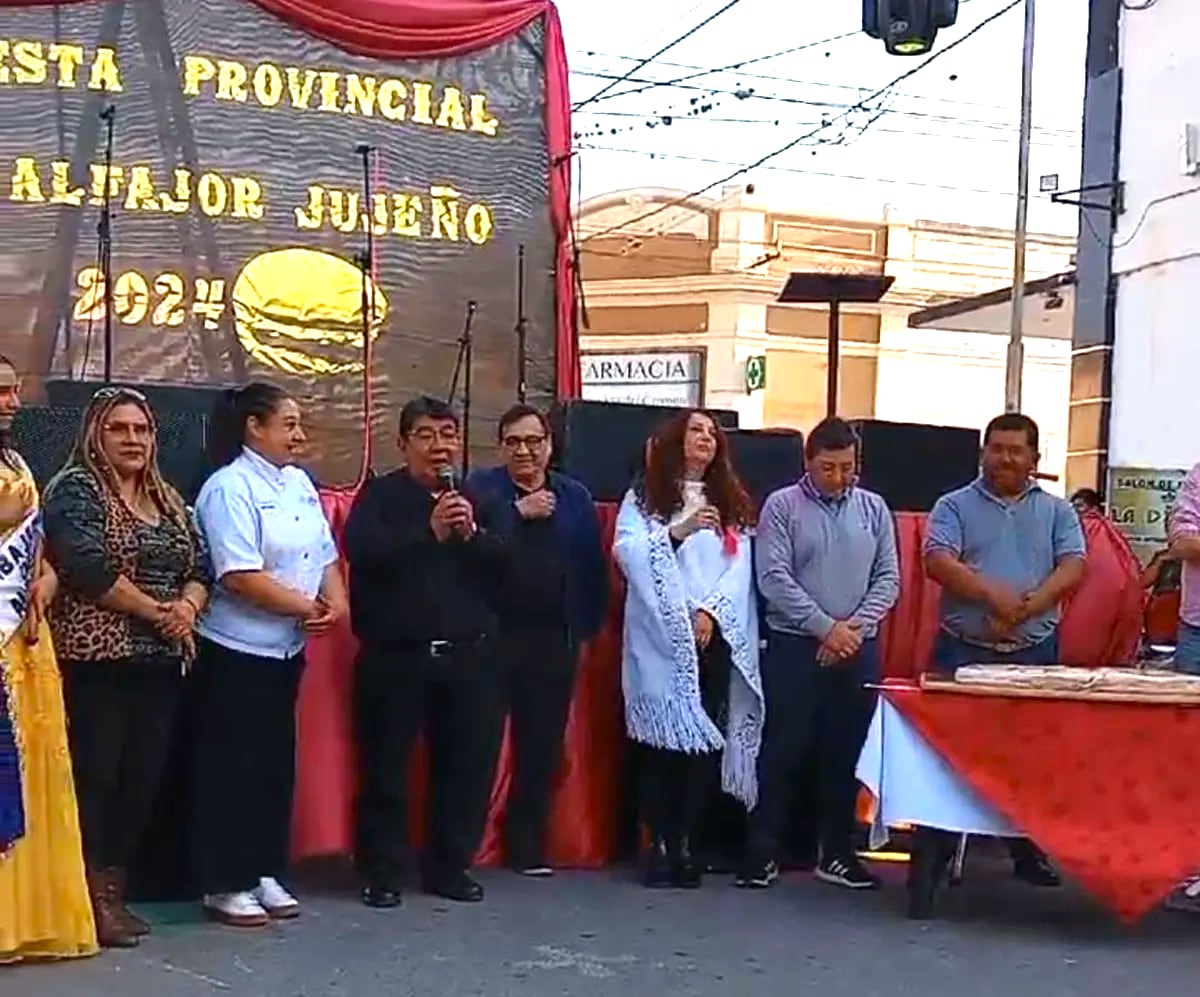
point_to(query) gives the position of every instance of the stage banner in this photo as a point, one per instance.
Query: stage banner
(241, 147)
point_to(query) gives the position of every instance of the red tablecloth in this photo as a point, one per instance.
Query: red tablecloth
(1107, 789)
(1101, 626)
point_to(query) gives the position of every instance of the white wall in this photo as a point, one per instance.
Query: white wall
(1156, 250)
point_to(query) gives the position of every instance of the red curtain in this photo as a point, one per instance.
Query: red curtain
(428, 29)
(587, 805)
(1100, 626)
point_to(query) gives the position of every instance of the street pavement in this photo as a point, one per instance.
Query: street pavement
(600, 933)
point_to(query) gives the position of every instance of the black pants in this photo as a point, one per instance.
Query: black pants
(243, 766)
(120, 715)
(539, 674)
(828, 708)
(452, 696)
(676, 786)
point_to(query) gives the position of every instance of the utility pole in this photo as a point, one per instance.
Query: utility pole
(1016, 347)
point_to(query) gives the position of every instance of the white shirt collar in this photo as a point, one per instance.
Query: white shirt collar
(264, 467)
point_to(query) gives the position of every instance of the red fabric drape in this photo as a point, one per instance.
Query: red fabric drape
(1098, 628)
(1117, 819)
(1112, 585)
(427, 29)
(586, 807)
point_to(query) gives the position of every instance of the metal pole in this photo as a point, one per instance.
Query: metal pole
(1016, 348)
(832, 348)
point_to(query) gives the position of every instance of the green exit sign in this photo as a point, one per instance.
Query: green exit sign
(756, 373)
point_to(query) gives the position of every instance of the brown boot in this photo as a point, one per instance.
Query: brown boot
(136, 925)
(111, 930)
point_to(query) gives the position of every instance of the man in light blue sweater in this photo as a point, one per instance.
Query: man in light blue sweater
(828, 569)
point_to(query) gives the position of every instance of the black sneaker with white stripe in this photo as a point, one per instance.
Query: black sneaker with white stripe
(757, 875)
(847, 872)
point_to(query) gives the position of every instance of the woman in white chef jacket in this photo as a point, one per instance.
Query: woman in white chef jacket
(277, 581)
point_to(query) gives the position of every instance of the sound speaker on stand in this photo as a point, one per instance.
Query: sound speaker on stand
(913, 465)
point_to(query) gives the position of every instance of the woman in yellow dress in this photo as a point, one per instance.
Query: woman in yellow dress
(44, 908)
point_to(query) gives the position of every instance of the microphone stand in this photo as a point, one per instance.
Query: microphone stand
(366, 262)
(104, 246)
(521, 326)
(462, 366)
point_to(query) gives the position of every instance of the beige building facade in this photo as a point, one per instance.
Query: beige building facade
(680, 305)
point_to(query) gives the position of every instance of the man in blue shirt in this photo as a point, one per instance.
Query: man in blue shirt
(1006, 554)
(827, 566)
(552, 596)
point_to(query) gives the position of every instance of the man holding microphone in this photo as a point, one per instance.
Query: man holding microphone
(424, 561)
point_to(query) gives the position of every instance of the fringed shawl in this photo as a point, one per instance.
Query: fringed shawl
(660, 663)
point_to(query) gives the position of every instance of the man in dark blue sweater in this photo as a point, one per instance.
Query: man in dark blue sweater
(552, 598)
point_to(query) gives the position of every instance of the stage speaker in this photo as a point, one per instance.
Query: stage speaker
(766, 459)
(602, 444)
(195, 399)
(44, 436)
(913, 465)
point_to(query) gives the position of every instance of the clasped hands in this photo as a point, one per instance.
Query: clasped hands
(1008, 609)
(537, 505)
(842, 642)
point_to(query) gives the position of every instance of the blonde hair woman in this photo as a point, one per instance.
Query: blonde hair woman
(133, 580)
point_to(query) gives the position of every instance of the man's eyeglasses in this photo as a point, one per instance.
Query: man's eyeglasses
(427, 437)
(515, 443)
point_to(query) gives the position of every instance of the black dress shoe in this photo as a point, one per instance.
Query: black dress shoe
(657, 875)
(686, 871)
(381, 897)
(459, 887)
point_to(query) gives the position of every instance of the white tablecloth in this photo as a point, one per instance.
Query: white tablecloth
(913, 784)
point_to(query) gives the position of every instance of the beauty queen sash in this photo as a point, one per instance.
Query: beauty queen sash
(18, 555)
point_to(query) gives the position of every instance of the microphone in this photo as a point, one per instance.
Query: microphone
(448, 479)
(362, 148)
(108, 112)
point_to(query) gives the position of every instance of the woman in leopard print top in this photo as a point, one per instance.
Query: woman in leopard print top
(133, 579)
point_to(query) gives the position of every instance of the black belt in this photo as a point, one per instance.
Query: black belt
(449, 648)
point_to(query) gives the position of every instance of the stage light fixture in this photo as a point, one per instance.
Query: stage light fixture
(908, 27)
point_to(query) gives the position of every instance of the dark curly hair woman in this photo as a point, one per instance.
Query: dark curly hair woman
(689, 666)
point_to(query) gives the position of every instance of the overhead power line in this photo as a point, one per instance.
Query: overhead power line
(650, 58)
(817, 173)
(823, 84)
(701, 71)
(788, 146)
(749, 93)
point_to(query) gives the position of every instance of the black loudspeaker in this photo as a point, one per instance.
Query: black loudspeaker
(44, 436)
(912, 465)
(602, 444)
(766, 459)
(199, 400)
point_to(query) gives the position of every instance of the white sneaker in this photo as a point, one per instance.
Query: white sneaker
(275, 900)
(238, 910)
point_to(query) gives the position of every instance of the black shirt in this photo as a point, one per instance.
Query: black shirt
(534, 588)
(406, 588)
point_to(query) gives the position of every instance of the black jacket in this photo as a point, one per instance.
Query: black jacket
(406, 588)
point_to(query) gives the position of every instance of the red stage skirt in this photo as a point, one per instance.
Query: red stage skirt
(1101, 625)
